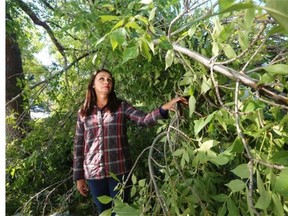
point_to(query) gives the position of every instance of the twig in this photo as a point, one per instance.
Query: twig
(152, 175)
(251, 163)
(176, 119)
(251, 58)
(52, 77)
(273, 166)
(261, 68)
(189, 24)
(174, 21)
(216, 85)
(37, 194)
(247, 49)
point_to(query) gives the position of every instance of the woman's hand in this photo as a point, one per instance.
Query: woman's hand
(170, 104)
(82, 187)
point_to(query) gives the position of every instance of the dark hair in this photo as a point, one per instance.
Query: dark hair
(91, 98)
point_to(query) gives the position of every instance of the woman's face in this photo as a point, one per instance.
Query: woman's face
(103, 83)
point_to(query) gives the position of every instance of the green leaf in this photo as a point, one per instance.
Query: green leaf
(104, 199)
(94, 58)
(122, 209)
(192, 31)
(142, 182)
(109, 6)
(279, 11)
(186, 156)
(192, 107)
(149, 41)
(276, 30)
(281, 184)
(144, 50)
(178, 152)
(277, 69)
(266, 78)
(106, 18)
(220, 197)
(277, 207)
(114, 43)
(206, 85)
(165, 44)
(169, 58)
(280, 157)
(135, 26)
(260, 185)
(134, 179)
(264, 200)
(242, 171)
(186, 81)
(152, 14)
(100, 40)
(119, 35)
(202, 122)
(232, 209)
(215, 48)
(249, 18)
(142, 19)
(220, 159)
(236, 185)
(222, 210)
(119, 24)
(130, 53)
(225, 33)
(208, 144)
(253, 106)
(243, 40)
(224, 4)
(236, 7)
(107, 212)
(229, 52)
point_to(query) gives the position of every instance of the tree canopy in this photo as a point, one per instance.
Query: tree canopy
(224, 154)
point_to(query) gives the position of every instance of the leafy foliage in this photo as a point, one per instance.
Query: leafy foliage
(225, 154)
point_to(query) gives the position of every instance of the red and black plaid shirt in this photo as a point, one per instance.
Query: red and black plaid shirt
(101, 144)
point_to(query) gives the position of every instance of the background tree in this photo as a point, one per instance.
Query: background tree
(225, 154)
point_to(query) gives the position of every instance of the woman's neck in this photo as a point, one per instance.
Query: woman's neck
(102, 101)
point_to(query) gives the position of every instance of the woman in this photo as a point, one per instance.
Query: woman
(101, 148)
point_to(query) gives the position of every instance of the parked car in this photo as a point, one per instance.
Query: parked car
(37, 112)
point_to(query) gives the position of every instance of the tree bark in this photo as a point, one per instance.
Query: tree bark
(14, 74)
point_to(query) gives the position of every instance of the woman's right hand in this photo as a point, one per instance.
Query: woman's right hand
(82, 187)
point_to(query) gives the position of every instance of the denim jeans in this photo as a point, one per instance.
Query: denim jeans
(106, 187)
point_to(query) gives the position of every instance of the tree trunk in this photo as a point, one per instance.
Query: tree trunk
(14, 72)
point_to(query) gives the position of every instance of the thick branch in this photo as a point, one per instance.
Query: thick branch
(37, 21)
(268, 92)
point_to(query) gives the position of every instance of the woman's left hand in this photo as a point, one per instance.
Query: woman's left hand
(170, 104)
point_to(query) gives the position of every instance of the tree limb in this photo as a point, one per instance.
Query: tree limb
(37, 21)
(268, 92)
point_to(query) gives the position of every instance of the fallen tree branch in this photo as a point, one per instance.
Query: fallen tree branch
(268, 92)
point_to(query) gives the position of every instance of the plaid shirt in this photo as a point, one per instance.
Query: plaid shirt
(101, 144)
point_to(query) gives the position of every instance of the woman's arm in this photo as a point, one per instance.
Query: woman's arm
(78, 157)
(143, 119)
(170, 105)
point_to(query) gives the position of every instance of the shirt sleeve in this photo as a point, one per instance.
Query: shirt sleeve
(164, 113)
(141, 118)
(78, 170)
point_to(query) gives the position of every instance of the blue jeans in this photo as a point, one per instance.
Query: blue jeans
(106, 187)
